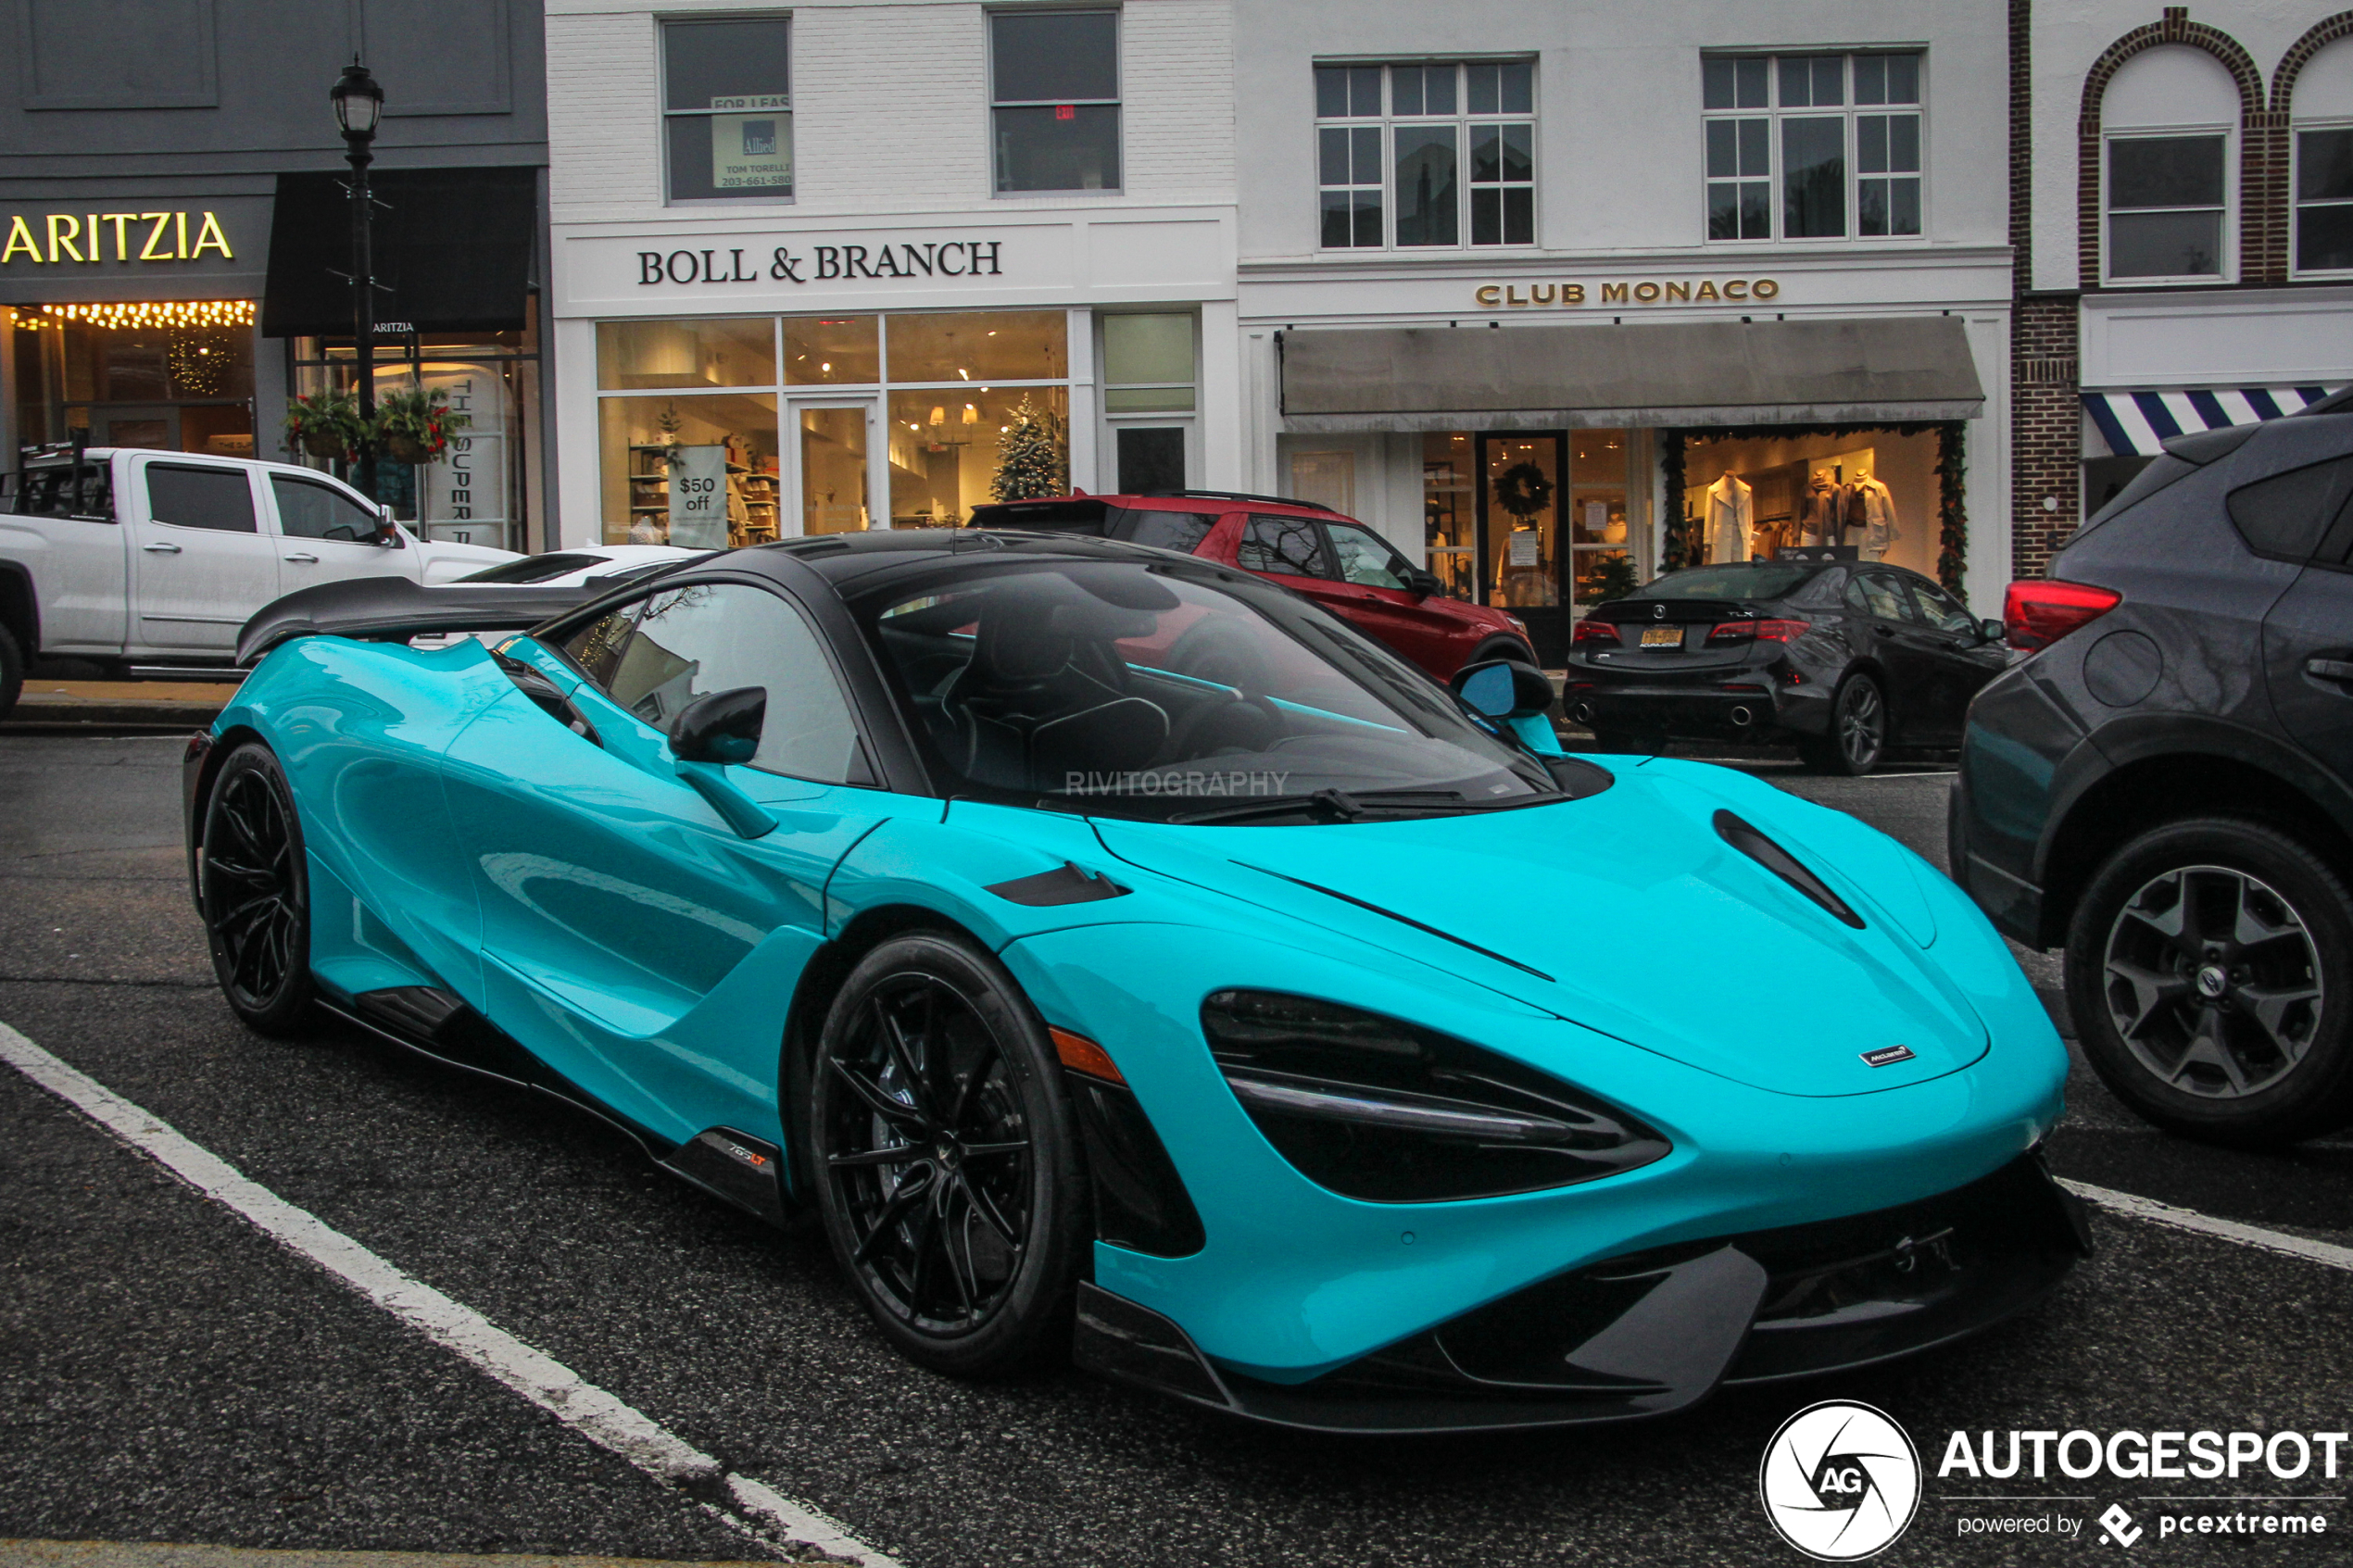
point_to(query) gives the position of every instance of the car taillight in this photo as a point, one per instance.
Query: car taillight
(2037, 614)
(1594, 631)
(1762, 630)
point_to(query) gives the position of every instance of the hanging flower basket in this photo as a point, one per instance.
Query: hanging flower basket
(326, 426)
(414, 425)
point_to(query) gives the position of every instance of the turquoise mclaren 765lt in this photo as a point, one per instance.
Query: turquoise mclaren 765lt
(1122, 958)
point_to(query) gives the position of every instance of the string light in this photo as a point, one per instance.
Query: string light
(135, 314)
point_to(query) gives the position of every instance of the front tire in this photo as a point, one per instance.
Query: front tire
(945, 1158)
(2209, 970)
(254, 889)
(11, 671)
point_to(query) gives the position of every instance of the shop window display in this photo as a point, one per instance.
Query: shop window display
(176, 376)
(1449, 513)
(848, 422)
(1872, 491)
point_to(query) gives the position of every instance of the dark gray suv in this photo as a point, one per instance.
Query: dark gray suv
(2166, 787)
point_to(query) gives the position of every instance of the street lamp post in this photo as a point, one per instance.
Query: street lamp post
(359, 103)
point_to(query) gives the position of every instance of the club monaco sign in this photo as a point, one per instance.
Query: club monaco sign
(1644, 291)
(877, 260)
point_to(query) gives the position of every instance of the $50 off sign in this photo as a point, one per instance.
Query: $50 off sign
(698, 497)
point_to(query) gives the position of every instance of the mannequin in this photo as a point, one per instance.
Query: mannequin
(1730, 512)
(1817, 512)
(1874, 513)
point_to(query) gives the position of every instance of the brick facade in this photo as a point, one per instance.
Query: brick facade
(2046, 429)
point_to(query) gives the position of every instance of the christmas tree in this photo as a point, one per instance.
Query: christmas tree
(1032, 459)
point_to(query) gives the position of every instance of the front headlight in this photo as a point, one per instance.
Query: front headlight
(1378, 1109)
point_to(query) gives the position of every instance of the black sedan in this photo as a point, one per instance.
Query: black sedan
(1848, 659)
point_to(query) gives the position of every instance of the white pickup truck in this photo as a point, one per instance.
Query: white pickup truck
(148, 562)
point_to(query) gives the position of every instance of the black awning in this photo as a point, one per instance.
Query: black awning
(453, 251)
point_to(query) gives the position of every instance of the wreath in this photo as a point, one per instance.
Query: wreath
(1523, 490)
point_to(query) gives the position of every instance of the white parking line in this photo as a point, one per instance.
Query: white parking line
(2148, 1209)
(774, 1520)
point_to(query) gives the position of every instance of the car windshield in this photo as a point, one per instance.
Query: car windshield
(1735, 580)
(1136, 690)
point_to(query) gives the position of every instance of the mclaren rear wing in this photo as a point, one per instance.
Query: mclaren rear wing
(395, 609)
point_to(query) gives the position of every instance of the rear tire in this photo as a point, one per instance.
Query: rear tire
(11, 671)
(254, 887)
(968, 1251)
(2209, 972)
(1858, 738)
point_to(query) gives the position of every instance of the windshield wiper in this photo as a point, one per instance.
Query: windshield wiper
(1327, 805)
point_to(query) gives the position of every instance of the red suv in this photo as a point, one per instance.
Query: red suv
(1336, 561)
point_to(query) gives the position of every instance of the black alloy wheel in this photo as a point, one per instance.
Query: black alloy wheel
(1859, 731)
(255, 893)
(945, 1158)
(2209, 970)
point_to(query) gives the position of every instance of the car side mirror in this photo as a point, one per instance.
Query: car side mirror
(721, 728)
(1502, 688)
(1422, 583)
(1992, 630)
(715, 730)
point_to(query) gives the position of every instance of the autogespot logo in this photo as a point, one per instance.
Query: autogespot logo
(1839, 1481)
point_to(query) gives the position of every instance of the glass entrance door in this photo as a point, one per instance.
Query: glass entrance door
(1519, 504)
(833, 480)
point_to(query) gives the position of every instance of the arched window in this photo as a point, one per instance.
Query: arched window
(2169, 125)
(2322, 174)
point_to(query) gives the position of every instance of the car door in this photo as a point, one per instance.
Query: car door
(1373, 577)
(631, 938)
(2307, 635)
(327, 535)
(1896, 641)
(1960, 659)
(201, 562)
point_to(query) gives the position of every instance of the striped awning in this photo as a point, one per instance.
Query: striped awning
(2136, 424)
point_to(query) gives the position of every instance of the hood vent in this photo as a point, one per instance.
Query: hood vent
(1745, 838)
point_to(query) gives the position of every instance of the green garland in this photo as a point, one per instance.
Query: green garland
(1682, 543)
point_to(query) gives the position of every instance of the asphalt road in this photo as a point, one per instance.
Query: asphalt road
(168, 1373)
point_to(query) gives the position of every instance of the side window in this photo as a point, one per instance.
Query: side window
(195, 497)
(313, 511)
(715, 636)
(2283, 515)
(1943, 611)
(1169, 531)
(596, 647)
(1875, 593)
(1287, 544)
(1365, 558)
(1822, 592)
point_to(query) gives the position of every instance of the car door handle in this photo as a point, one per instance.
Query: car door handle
(1884, 631)
(305, 557)
(2330, 669)
(161, 549)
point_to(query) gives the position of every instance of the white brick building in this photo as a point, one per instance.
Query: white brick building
(811, 268)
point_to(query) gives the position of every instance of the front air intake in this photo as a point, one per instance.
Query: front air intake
(1745, 838)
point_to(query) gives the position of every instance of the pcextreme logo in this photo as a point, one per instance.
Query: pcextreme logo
(1839, 1481)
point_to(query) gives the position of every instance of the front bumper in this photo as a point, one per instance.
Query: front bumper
(1657, 1331)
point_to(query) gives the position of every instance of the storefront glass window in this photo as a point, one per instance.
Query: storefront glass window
(173, 375)
(1877, 491)
(727, 109)
(1523, 479)
(700, 471)
(832, 351)
(1600, 566)
(948, 444)
(980, 346)
(1055, 77)
(687, 353)
(1147, 364)
(1449, 512)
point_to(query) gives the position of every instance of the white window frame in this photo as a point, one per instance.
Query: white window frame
(2296, 204)
(1773, 112)
(2228, 271)
(1118, 101)
(1463, 121)
(662, 24)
